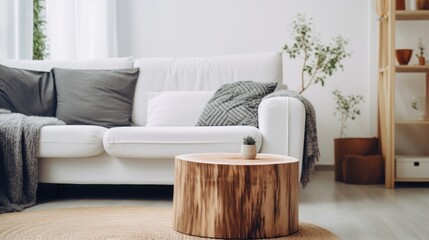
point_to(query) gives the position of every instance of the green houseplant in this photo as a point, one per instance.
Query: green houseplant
(347, 109)
(319, 60)
(39, 37)
(248, 148)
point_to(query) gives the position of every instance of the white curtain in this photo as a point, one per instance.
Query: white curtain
(16, 29)
(81, 29)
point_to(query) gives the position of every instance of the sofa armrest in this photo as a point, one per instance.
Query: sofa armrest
(282, 125)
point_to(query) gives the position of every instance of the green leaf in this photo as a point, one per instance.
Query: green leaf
(320, 60)
(39, 38)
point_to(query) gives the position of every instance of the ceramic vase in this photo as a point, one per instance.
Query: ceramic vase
(400, 4)
(422, 61)
(418, 107)
(248, 151)
(422, 4)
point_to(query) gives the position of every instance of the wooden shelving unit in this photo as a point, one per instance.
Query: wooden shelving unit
(414, 122)
(411, 179)
(387, 82)
(412, 69)
(412, 15)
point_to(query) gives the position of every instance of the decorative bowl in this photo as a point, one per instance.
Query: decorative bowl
(422, 4)
(403, 56)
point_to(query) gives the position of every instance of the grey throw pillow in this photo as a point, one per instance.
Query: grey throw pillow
(27, 92)
(95, 97)
(235, 104)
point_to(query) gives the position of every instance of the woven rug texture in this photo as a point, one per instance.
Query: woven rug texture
(111, 223)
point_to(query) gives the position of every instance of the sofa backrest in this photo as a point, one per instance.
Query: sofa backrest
(199, 74)
(47, 65)
(175, 80)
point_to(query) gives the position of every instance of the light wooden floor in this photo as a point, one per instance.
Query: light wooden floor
(350, 211)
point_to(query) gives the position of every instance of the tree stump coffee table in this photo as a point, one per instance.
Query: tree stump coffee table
(220, 195)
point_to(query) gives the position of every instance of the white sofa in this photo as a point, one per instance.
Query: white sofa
(169, 98)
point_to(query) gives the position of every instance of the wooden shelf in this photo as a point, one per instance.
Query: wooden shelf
(387, 84)
(412, 15)
(404, 122)
(411, 179)
(412, 68)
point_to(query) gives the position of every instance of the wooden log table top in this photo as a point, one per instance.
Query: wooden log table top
(220, 195)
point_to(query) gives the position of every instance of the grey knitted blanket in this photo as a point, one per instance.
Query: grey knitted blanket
(311, 148)
(19, 145)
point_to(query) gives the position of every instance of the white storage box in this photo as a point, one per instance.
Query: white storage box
(412, 166)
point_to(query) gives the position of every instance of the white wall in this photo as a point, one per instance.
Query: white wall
(158, 28)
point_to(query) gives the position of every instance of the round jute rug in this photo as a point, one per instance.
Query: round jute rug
(110, 223)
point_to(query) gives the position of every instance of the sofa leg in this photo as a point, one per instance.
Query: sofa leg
(61, 191)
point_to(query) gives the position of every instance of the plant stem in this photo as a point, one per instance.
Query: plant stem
(343, 125)
(309, 82)
(312, 78)
(303, 71)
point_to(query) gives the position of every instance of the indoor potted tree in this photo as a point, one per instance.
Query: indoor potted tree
(248, 148)
(319, 60)
(347, 109)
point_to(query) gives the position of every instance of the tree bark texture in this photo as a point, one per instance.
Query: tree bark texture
(223, 196)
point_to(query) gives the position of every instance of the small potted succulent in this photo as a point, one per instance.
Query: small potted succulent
(248, 149)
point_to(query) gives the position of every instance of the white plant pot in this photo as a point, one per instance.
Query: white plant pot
(248, 151)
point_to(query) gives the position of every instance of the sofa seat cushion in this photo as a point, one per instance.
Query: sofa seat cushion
(71, 141)
(167, 142)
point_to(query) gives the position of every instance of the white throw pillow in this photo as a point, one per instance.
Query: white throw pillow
(175, 108)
